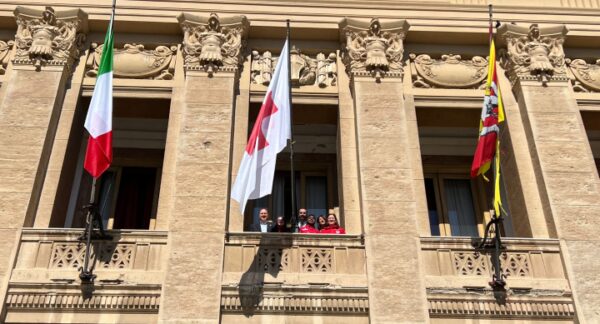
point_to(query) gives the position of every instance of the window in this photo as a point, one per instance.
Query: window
(452, 206)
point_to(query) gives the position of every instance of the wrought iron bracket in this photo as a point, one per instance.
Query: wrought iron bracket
(94, 230)
(492, 242)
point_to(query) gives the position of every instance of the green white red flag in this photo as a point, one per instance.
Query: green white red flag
(98, 122)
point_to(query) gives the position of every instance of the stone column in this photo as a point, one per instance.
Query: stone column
(47, 43)
(373, 57)
(563, 161)
(212, 52)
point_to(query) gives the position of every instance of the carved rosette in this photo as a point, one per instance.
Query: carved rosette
(305, 70)
(534, 53)
(133, 61)
(584, 77)
(46, 37)
(449, 71)
(213, 44)
(373, 48)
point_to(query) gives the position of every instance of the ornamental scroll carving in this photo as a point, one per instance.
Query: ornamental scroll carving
(213, 43)
(449, 71)
(305, 71)
(46, 37)
(5, 48)
(133, 61)
(534, 53)
(373, 48)
(584, 77)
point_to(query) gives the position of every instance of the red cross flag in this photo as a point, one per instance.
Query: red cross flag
(269, 137)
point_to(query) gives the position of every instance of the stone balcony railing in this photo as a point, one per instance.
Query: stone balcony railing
(294, 273)
(45, 278)
(457, 279)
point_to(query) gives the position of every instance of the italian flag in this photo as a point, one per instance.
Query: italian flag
(98, 122)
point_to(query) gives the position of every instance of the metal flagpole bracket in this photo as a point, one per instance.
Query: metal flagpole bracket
(492, 242)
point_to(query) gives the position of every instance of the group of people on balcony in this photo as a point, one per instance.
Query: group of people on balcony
(307, 224)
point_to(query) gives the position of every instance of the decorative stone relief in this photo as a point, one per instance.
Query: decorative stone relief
(213, 43)
(112, 255)
(373, 49)
(273, 259)
(515, 264)
(5, 48)
(584, 77)
(449, 71)
(135, 62)
(48, 37)
(317, 260)
(321, 70)
(534, 53)
(470, 264)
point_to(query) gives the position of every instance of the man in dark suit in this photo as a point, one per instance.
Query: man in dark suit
(264, 224)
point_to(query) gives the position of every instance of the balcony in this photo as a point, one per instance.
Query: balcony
(457, 276)
(44, 285)
(294, 274)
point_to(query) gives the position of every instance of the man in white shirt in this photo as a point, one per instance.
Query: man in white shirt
(264, 223)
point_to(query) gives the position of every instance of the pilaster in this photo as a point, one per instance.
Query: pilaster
(47, 44)
(561, 152)
(373, 57)
(211, 51)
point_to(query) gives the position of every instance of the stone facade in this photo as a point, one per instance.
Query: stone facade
(386, 99)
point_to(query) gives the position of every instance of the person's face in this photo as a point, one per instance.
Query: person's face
(331, 220)
(302, 214)
(263, 215)
(280, 221)
(322, 221)
(311, 220)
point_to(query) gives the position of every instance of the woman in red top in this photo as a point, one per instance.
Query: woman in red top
(310, 226)
(332, 226)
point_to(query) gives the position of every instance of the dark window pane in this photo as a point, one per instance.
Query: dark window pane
(434, 221)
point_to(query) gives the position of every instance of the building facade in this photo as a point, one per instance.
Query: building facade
(387, 99)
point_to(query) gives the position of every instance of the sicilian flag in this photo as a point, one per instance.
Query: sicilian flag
(492, 114)
(98, 122)
(268, 137)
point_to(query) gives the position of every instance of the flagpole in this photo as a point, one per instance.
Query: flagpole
(292, 173)
(92, 213)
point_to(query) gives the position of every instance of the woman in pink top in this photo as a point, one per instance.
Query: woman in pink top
(332, 226)
(310, 226)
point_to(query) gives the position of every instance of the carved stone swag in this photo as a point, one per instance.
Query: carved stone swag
(373, 48)
(449, 71)
(213, 44)
(46, 37)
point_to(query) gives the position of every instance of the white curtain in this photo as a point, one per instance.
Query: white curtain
(459, 202)
(316, 195)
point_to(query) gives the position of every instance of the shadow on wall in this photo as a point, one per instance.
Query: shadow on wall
(267, 260)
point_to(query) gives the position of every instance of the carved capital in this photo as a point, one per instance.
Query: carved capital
(449, 71)
(373, 48)
(534, 53)
(48, 37)
(212, 43)
(133, 61)
(320, 70)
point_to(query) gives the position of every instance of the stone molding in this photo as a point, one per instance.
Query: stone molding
(46, 37)
(449, 71)
(133, 61)
(489, 307)
(373, 48)
(534, 53)
(298, 300)
(138, 299)
(585, 77)
(306, 71)
(213, 44)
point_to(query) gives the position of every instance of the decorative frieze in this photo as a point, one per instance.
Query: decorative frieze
(5, 48)
(211, 43)
(305, 70)
(133, 61)
(585, 77)
(534, 53)
(449, 71)
(373, 48)
(46, 37)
